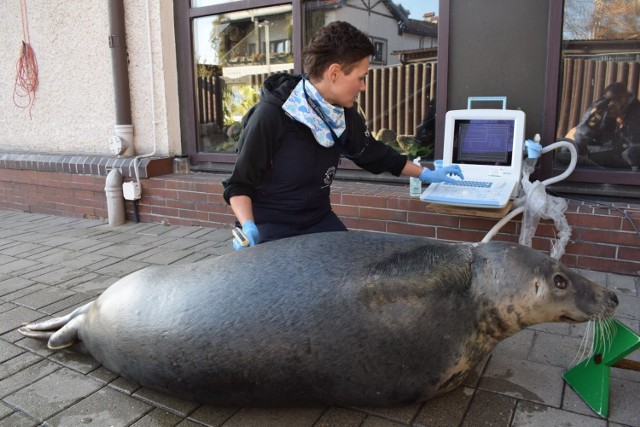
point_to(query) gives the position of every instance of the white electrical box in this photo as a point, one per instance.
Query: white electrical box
(131, 190)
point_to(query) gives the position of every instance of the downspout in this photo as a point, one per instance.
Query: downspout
(122, 141)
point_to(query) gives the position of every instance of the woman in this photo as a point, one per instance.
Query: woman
(292, 140)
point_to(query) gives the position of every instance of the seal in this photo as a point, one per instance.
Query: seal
(341, 318)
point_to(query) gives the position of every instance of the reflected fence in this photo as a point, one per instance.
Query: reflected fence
(397, 97)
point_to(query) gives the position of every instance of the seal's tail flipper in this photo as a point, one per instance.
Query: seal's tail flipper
(60, 332)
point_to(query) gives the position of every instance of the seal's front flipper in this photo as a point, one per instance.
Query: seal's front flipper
(60, 332)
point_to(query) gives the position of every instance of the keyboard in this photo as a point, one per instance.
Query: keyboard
(475, 184)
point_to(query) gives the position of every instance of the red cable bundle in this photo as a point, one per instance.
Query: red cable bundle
(26, 67)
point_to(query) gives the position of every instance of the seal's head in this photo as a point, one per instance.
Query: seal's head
(531, 288)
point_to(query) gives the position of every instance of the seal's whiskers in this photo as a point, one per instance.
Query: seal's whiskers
(586, 345)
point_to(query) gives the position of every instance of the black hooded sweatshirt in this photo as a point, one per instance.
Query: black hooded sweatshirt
(282, 168)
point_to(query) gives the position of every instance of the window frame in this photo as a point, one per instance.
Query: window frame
(184, 15)
(593, 178)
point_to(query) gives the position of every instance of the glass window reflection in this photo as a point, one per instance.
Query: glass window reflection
(234, 53)
(599, 107)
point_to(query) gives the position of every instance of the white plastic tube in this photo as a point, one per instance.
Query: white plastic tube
(558, 221)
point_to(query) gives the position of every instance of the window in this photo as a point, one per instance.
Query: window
(226, 51)
(598, 100)
(229, 70)
(380, 57)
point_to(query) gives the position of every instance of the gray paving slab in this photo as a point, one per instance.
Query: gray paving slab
(51, 265)
(103, 408)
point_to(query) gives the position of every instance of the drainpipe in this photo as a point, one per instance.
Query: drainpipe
(115, 200)
(121, 143)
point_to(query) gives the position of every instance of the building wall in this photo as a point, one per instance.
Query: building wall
(74, 108)
(603, 237)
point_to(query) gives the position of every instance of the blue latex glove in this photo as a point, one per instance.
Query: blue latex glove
(441, 175)
(251, 231)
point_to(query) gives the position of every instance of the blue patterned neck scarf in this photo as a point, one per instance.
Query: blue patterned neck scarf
(307, 106)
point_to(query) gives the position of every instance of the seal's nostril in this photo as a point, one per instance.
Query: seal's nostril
(614, 298)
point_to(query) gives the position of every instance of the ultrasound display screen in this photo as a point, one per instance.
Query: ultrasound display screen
(483, 142)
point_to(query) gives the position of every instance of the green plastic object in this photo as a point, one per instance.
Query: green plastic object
(590, 378)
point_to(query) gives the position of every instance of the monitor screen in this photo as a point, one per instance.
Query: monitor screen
(483, 142)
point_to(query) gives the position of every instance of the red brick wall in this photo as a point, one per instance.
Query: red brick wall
(602, 238)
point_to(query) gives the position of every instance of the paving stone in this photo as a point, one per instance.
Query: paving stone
(173, 404)
(123, 250)
(16, 364)
(106, 407)
(184, 231)
(103, 375)
(18, 248)
(38, 347)
(159, 418)
(82, 363)
(445, 411)
(182, 244)
(164, 256)
(489, 409)
(524, 379)
(534, 415)
(84, 261)
(124, 385)
(122, 268)
(96, 285)
(517, 346)
(17, 419)
(86, 245)
(13, 319)
(53, 393)
(55, 256)
(275, 417)
(373, 421)
(25, 377)
(402, 413)
(4, 410)
(6, 306)
(623, 402)
(188, 423)
(13, 284)
(556, 350)
(554, 328)
(43, 297)
(36, 270)
(340, 417)
(155, 230)
(75, 300)
(14, 266)
(211, 415)
(628, 308)
(8, 351)
(191, 259)
(55, 241)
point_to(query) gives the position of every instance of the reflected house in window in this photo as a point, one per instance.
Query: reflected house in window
(254, 41)
(386, 22)
(236, 51)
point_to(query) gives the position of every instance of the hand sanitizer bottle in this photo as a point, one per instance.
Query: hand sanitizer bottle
(415, 185)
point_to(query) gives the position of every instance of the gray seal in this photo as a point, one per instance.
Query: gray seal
(343, 318)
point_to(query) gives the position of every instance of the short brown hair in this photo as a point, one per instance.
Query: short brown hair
(338, 42)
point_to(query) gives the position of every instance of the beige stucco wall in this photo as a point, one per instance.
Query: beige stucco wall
(74, 110)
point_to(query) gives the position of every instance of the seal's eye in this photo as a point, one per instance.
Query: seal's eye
(559, 281)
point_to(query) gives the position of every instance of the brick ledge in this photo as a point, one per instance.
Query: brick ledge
(148, 167)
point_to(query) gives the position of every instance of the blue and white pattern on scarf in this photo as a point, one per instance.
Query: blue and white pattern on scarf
(299, 109)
